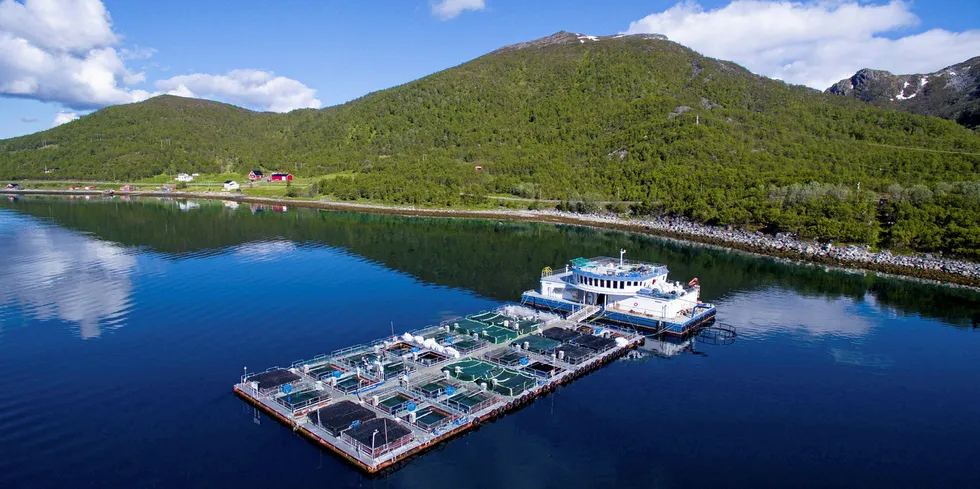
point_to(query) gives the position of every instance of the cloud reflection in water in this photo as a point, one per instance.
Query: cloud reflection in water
(772, 311)
(51, 273)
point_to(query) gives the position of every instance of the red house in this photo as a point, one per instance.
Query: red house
(255, 175)
(281, 176)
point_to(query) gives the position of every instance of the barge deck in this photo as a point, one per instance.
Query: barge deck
(377, 405)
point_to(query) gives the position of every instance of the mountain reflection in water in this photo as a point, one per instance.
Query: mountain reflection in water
(836, 379)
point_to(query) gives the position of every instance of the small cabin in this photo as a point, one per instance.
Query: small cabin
(283, 177)
(255, 175)
(231, 185)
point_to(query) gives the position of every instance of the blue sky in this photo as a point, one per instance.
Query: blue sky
(306, 53)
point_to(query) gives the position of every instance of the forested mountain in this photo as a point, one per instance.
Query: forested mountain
(951, 93)
(575, 117)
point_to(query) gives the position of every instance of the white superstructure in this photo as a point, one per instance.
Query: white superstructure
(616, 285)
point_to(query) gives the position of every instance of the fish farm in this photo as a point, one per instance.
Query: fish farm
(379, 404)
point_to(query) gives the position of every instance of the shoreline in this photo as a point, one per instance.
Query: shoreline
(924, 267)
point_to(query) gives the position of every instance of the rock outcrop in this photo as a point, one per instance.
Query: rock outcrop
(951, 93)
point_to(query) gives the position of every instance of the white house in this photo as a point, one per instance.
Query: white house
(183, 177)
(231, 185)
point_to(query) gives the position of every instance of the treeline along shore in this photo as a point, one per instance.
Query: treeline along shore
(783, 245)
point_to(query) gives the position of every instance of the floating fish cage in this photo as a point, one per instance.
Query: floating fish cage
(394, 402)
(338, 417)
(431, 418)
(507, 357)
(301, 400)
(378, 405)
(561, 335)
(594, 343)
(543, 369)
(466, 345)
(537, 344)
(270, 381)
(470, 401)
(435, 387)
(574, 354)
(378, 436)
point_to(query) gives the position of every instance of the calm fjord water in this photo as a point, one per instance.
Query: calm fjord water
(123, 326)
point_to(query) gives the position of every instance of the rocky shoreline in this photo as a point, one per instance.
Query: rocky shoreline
(786, 245)
(783, 245)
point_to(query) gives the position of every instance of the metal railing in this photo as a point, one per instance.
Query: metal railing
(303, 406)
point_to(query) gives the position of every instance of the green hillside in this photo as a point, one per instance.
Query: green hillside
(632, 118)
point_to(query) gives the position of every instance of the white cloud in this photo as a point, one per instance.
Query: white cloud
(61, 51)
(450, 9)
(137, 52)
(75, 26)
(65, 51)
(811, 43)
(250, 88)
(63, 117)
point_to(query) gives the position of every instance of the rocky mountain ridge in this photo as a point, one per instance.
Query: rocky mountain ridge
(951, 93)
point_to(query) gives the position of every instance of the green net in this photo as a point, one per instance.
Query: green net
(505, 356)
(395, 402)
(509, 382)
(435, 388)
(485, 317)
(469, 401)
(464, 345)
(470, 370)
(469, 326)
(430, 417)
(537, 344)
(499, 334)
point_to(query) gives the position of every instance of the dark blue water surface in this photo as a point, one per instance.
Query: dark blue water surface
(123, 326)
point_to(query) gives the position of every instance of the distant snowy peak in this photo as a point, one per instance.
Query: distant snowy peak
(952, 92)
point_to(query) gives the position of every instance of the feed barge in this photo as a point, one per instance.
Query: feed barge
(630, 293)
(379, 404)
